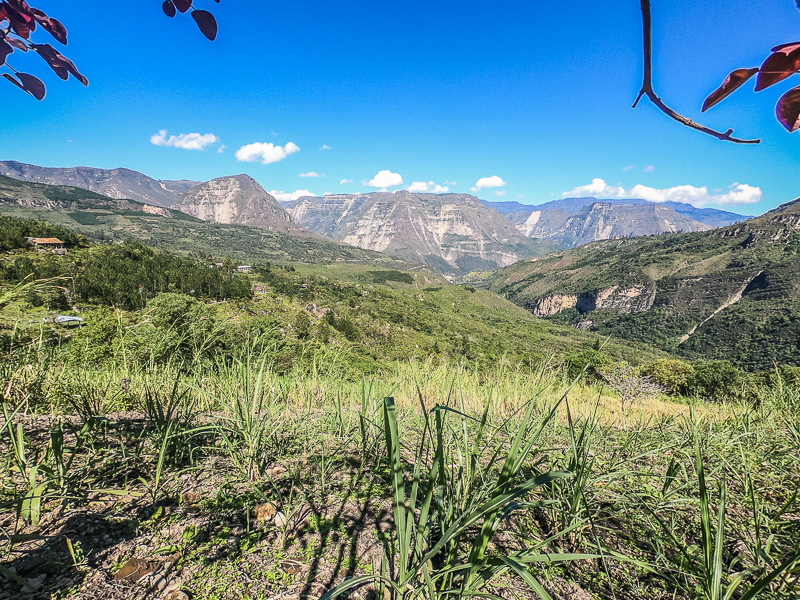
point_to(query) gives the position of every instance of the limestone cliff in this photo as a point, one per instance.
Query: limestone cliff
(455, 233)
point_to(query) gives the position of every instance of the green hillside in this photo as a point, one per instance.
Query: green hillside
(369, 317)
(107, 219)
(728, 293)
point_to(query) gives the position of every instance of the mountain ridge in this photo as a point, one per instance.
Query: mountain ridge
(717, 292)
(120, 183)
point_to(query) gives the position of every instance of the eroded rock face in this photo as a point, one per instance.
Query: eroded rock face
(551, 305)
(236, 200)
(634, 299)
(453, 232)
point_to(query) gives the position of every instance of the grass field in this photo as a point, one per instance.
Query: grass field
(239, 482)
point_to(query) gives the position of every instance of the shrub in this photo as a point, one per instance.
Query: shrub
(591, 360)
(673, 375)
(716, 380)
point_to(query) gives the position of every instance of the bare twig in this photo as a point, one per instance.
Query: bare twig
(647, 88)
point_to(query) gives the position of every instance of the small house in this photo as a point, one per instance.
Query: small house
(48, 245)
(244, 268)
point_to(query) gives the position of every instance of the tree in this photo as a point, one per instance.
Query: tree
(18, 21)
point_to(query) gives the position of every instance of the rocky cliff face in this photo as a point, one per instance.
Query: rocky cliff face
(114, 183)
(236, 200)
(454, 232)
(637, 298)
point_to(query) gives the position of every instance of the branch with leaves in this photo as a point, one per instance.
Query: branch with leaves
(647, 88)
(18, 21)
(783, 62)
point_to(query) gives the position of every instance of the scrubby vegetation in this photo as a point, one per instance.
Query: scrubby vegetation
(288, 433)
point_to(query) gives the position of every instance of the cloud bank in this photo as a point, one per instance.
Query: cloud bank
(265, 152)
(282, 196)
(738, 194)
(385, 179)
(484, 183)
(431, 187)
(187, 141)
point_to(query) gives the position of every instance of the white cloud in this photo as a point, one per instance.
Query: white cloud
(282, 196)
(521, 196)
(450, 182)
(488, 182)
(324, 147)
(385, 179)
(265, 152)
(187, 141)
(737, 194)
(313, 174)
(500, 193)
(629, 168)
(344, 181)
(221, 149)
(432, 187)
(649, 169)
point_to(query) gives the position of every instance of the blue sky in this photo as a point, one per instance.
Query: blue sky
(524, 101)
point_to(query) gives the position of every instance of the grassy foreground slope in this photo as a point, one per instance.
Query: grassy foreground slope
(107, 219)
(728, 293)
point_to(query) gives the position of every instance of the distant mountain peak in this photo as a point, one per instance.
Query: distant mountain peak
(236, 200)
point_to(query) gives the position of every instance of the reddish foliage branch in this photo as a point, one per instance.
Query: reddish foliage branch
(204, 19)
(18, 20)
(647, 88)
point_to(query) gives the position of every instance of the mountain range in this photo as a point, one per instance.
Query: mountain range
(454, 233)
(111, 219)
(576, 221)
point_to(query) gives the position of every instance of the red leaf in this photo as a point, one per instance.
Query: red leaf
(183, 5)
(3, 13)
(56, 29)
(5, 50)
(58, 62)
(17, 43)
(732, 83)
(39, 15)
(32, 85)
(10, 77)
(22, 24)
(206, 22)
(20, 5)
(779, 65)
(788, 109)
(169, 8)
(782, 46)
